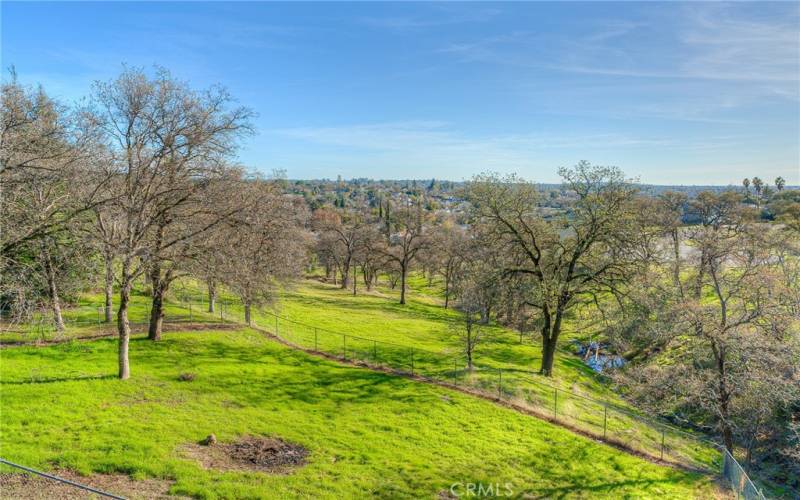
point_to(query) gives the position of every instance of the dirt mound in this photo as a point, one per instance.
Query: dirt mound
(30, 487)
(250, 453)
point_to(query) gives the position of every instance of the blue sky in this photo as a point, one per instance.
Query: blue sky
(673, 93)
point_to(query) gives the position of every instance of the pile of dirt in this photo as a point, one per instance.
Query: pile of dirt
(30, 487)
(250, 453)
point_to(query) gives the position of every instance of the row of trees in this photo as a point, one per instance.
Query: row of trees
(140, 182)
(761, 189)
(706, 315)
(139, 179)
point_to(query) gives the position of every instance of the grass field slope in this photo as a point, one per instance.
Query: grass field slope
(368, 433)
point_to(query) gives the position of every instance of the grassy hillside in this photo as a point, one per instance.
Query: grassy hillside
(368, 433)
(424, 330)
(325, 312)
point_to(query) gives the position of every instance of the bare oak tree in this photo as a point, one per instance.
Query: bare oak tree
(267, 245)
(402, 247)
(166, 142)
(575, 254)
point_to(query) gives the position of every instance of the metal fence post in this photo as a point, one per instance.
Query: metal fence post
(500, 383)
(662, 444)
(190, 312)
(412, 362)
(375, 351)
(315, 339)
(605, 419)
(455, 370)
(98, 314)
(276, 324)
(344, 347)
(555, 402)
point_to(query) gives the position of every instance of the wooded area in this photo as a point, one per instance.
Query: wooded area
(700, 295)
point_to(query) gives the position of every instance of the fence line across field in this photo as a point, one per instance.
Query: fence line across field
(730, 468)
(61, 480)
(414, 360)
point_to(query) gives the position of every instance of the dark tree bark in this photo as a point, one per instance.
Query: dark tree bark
(52, 287)
(548, 356)
(212, 295)
(108, 262)
(161, 282)
(247, 313)
(403, 272)
(346, 273)
(123, 325)
(446, 290)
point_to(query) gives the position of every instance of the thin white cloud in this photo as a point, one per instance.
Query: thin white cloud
(707, 41)
(433, 142)
(441, 15)
(724, 46)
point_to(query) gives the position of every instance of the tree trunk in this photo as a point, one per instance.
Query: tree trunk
(402, 283)
(446, 289)
(485, 314)
(156, 315)
(108, 261)
(676, 269)
(698, 283)
(157, 305)
(727, 436)
(470, 346)
(346, 274)
(247, 317)
(548, 356)
(212, 296)
(549, 341)
(509, 313)
(355, 279)
(55, 302)
(124, 327)
(723, 397)
(367, 277)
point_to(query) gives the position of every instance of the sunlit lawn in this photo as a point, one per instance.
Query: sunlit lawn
(370, 434)
(373, 326)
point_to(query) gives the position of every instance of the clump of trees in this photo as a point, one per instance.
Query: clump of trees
(697, 292)
(710, 327)
(565, 259)
(140, 180)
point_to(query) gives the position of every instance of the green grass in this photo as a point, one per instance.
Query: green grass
(426, 328)
(369, 434)
(86, 318)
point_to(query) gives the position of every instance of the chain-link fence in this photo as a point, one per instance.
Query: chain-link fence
(61, 480)
(607, 421)
(738, 478)
(41, 326)
(603, 420)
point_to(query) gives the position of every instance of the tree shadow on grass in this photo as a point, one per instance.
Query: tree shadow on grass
(618, 489)
(268, 373)
(52, 380)
(340, 385)
(377, 305)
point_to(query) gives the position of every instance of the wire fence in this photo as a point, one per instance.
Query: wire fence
(602, 420)
(61, 480)
(738, 478)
